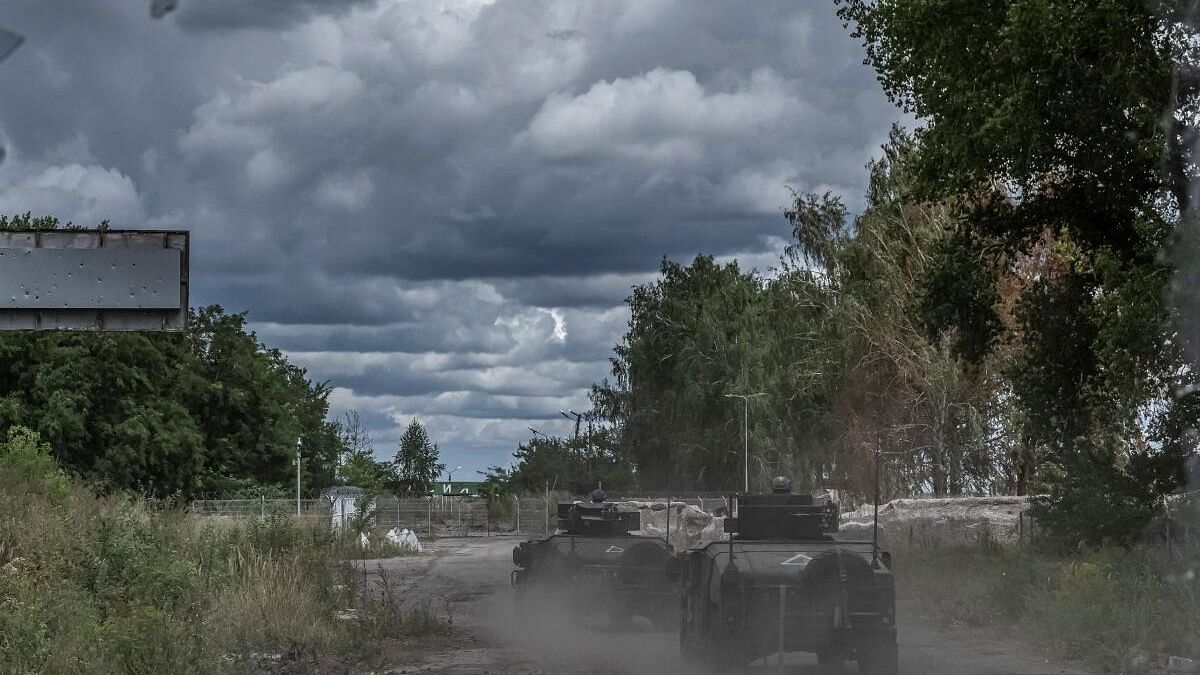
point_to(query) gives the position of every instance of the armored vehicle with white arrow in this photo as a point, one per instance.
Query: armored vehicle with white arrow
(783, 582)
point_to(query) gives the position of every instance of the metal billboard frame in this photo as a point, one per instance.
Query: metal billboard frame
(131, 300)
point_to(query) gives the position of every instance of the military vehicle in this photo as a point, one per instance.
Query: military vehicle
(596, 564)
(783, 583)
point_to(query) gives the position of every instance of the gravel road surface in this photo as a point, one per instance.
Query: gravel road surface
(472, 576)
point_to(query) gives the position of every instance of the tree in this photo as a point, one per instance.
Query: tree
(691, 339)
(577, 464)
(210, 409)
(887, 387)
(357, 465)
(416, 464)
(1059, 132)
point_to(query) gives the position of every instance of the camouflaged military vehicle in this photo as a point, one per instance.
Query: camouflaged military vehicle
(782, 583)
(595, 563)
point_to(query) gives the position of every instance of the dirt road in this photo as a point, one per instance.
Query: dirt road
(472, 575)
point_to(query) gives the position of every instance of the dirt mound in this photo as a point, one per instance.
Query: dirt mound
(916, 521)
(949, 520)
(689, 526)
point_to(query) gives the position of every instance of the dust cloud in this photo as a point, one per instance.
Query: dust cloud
(563, 637)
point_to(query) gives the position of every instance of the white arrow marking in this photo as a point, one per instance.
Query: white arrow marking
(614, 549)
(798, 559)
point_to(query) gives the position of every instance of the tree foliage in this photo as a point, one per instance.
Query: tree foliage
(206, 410)
(416, 464)
(830, 341)
(578, 464)
(1061, 134)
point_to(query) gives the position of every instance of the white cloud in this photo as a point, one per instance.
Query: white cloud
(347, 192)
(85, 195)
(662, 115)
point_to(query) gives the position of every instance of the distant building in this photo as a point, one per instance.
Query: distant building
(344, 503)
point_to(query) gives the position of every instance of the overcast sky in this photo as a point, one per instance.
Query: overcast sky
(438, 206)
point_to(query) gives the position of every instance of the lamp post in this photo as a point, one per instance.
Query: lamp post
(746, 432)
(572, 415)
(450, 477)
(298, 477)
(538, 433)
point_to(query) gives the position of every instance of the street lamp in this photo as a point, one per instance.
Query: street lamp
(538, 433)
(572, 415)
(746, 431)
(450, 478)
(298, 442)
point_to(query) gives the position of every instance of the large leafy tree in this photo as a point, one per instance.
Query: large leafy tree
(1060, 132)
(887, 387)
(691, 337)
(579, 464)
(210, 409)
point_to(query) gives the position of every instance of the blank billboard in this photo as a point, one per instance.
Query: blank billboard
(94, 280)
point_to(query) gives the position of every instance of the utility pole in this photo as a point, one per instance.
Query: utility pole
(746, 433)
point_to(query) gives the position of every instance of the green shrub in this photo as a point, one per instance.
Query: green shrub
(27, 465)
(1112, 607)
(97, 585)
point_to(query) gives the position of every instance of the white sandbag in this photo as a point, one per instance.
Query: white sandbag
(404, 538)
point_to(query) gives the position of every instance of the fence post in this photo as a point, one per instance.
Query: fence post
(429, 518)
(262, 508)
(518, 501)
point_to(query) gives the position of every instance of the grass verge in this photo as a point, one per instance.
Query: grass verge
(1115, 609)
(115, 584)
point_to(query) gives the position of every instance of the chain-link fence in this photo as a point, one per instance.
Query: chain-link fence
(429, 517)
(465, 516)
(261, 508)
(443, 516)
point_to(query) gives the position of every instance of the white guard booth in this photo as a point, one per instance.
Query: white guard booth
(344, 503)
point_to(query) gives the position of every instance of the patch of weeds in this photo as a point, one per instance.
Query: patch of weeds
(388, 615)
(1114, 608)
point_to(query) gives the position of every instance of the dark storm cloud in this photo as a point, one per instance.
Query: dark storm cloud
(438, 206)
(229, 14)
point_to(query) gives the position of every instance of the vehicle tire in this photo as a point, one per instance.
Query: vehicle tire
(881, 658)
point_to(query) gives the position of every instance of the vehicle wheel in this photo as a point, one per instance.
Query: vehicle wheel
(881, 658)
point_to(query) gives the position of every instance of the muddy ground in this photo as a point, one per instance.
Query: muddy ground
(471, 576)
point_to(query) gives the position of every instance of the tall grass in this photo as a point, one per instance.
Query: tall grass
(114, 584)
(1114, 608)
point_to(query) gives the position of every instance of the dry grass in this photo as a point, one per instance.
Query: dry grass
(115, 584)
(1115, 609)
